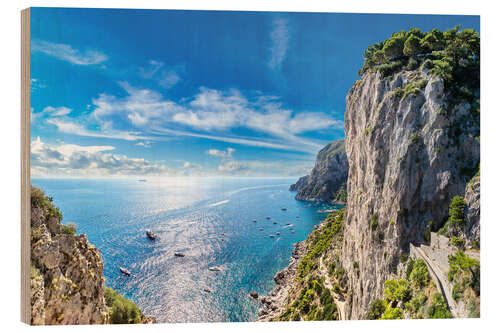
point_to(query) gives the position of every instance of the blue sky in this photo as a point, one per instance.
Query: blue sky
(195, 93)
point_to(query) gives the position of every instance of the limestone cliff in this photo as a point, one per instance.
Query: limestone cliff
(327, 177)
(409, 154)
(412, 146)
(473, 212)
(67, 282)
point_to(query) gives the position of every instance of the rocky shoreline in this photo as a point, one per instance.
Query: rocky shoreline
(273, 304)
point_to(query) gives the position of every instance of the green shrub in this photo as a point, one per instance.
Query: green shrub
(336, 288)
(412, 46)
(69, 228)
(39, 200)
(427, 64)
(457, 210)
(393, 47)
(389, 68)
(412, 64)
(461, 265)
(397, 290)
(427, 232)
(419, 276)
(416, 303)
(341, 195)
(374, 223)
(457, 292)
(123, 311)
(409, 268)
(305, 304)
(399, 92)
(319, 242)
(452, 55)
(392, 313)
(376, 309)
(456, 216)
(438, 308)
(331, 268)
(339, 274)
(458, 242)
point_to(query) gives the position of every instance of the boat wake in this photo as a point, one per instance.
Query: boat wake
(219, 203)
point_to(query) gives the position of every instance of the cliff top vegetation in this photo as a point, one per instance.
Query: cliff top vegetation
(453, 54)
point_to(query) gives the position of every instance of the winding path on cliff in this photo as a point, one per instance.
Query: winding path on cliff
(339, 300)
(438, 275)
(435, 257)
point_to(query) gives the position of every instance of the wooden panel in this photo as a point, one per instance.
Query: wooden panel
(25, 166)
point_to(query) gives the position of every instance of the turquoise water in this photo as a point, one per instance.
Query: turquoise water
(210, 220)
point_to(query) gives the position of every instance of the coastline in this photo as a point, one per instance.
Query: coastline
(274, 303)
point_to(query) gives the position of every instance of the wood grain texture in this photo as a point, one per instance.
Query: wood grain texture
(25, 165)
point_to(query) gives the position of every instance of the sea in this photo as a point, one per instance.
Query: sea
(209, 220)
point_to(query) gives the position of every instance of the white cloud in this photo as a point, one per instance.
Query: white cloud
(233, 167)
(74, 160)
(67, 53)
(210, 114)
(139, 108)
(212, 109)
(224, 154)
(279, 39)
(57, 112)
(145, 144)
(71, 127)
(151, 70)
(36, 84)
(228, 165)
(166, 77)
(169, 79)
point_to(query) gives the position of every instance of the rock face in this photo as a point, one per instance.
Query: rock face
(67, 285)
(273, 304)
(473, 212)
(327, 176)
(408, 155)
(67, 282)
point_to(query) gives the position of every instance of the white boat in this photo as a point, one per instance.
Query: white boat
(151, 235)
(214, 269)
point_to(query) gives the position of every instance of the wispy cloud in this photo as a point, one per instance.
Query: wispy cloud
(74, 160)
(279, 42)
(217, 110)
(71, 127)
(68, 53)
(57, 112)
(228, 166)
(36, 84)
(210, 114)
(166, 77)
(145, 144)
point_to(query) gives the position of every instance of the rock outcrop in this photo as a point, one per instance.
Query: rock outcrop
(327, 177)
(276, 301)
(67, 284)
(409, 154)
(472, 213)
